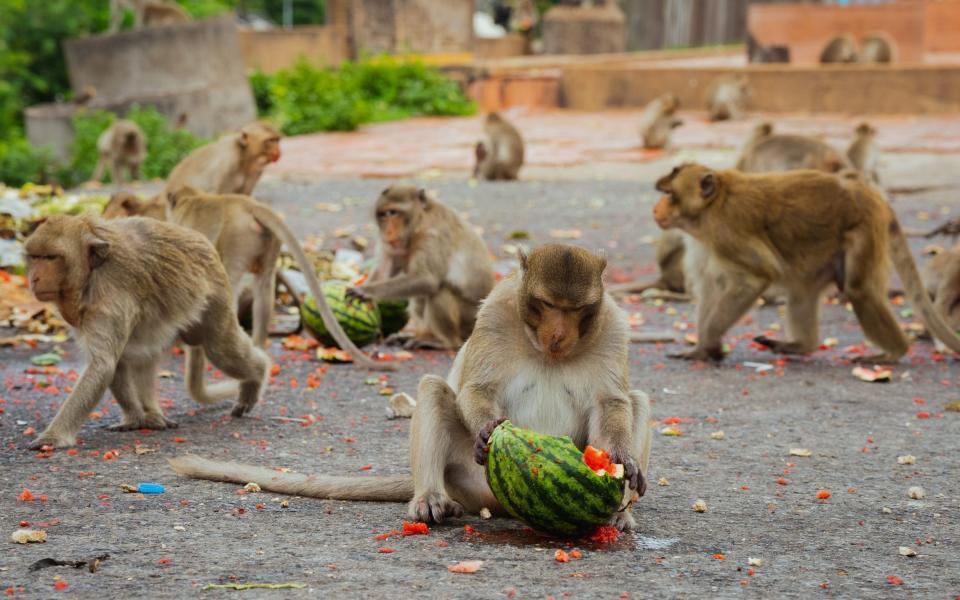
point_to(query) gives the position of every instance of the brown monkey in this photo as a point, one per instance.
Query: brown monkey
(670, 260)
(500, 155)
(758, 53)
(146, 13)
(728, 98)
(864, 152)
(549, 352)
(877, 48)
(840, 49)
(125, 204)
(429, 254)
(248, 236)
(941, 276)
(231, 165)
(129, 288)
(802, 230)
(767, 152)
(122, 146)
(658, 121)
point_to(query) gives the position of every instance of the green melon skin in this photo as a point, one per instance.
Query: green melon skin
(393, 315)
(543, 481)
(360, 319)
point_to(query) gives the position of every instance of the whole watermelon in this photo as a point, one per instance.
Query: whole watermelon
(543, 481)
(393, 315)
(360, 319)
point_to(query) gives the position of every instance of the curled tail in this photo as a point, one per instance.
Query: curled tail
(916, 292)
(197, 384)
(269, 219)
(395, 488)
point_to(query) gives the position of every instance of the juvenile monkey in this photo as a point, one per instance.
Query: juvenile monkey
(802, 230)
(877, 48)
(125, 204)
(670, 260)
(658, 121)
(767, 152)
(864, 152)
(122, 146)
(129, 288)
(146, 13)
(941, 276)
(549, 352)
(429, 254)
(728, 98)
(231, 165)
(840, 49)
(500, 154)
(248, 236)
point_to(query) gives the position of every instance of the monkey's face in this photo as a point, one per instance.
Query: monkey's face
(687, 191)
(60, 255)
(260, 144)
(560, 297)
(399, 212)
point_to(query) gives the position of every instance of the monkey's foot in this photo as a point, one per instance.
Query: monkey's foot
(241, 409)
(149, 421)
(398, 339)
(623, 520)
(883, 358)
(433, 507)
(45, 439)
(700, 354)
(780, 346)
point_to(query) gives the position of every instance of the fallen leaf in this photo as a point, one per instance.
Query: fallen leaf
(26, 536)
(952, 407)
(916, 492)
(755, 562)
(800, 452)
(566, 234)
(907, 551)
(485, 513)
(662, 482)
(700, 506)
(671, 432)
(467, 566)
(874, 375)
(906, 459)
(717, 435)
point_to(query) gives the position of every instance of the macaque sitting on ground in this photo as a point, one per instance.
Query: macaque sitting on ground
(841, 49)
(767, 152)
(428, 254)
(802, 230)
(728, 99)
(231, 165)
(864, 152)
(549, 352)
(122, 146)
(130, 288)
(659, 120)
(500, 154)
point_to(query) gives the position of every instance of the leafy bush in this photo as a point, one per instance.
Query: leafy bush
(305, 99)
(21, 162)
(166, 146)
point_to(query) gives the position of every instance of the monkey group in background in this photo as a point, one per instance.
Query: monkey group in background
(121, 147)
(728, 99)
(499, 155)
(802, 230)
(658, 121)
(231, 165)
(546, 333)
(875, 48)
(428, 254)
(130, 288)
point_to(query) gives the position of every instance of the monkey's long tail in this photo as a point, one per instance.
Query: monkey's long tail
(394, 488)
(916, 292)
(268, 219)
(196, 380)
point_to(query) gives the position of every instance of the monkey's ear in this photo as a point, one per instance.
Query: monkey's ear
(601, 255)
(423, 198)
(708, 185)
(676, 123)
(522, 255)
(242, 139)
(663, 184)
(131, 204)
(765, 128)
(97, 248)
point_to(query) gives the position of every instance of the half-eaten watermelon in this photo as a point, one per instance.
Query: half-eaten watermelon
(550, 484)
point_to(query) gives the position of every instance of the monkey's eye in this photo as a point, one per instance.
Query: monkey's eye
(43, 257)
(534, 306)
(547, 304)
(673, 198)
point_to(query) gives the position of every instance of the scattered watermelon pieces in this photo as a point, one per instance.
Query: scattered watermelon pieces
(415, 528)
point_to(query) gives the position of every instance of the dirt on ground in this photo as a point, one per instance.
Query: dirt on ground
(759, 438)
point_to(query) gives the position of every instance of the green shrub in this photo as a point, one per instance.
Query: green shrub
(306, 99)
(21, 162)
(166, 146)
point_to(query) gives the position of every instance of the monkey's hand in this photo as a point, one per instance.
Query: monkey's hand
(631, 471)
(53, 440)
(480, 448)
(357, 293)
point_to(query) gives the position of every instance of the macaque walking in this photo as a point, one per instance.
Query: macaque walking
(121, 146)
(500, 154)
(549, 352)
(130, 288)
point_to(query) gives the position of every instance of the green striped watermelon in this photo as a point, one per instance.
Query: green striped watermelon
(360, 319)
(544, 481)
(393, 315)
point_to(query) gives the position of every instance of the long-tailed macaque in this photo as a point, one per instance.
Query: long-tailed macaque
(231, 165)
(429, 254)
(767, 152)
(125, 204)
(248, 236)
(802, 230)
(728, 98)
(129, 288)
(122, 146)
(500, 154)
(147, 13)
(658, 120)
(549, 352)
(670, 260)
(941, 276)
(758, 53)
(840, 49)
(864, 152)
(877, 48)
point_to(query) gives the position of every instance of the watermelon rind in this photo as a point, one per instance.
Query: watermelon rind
(543, 481)
(359, 318)
(393, 315)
